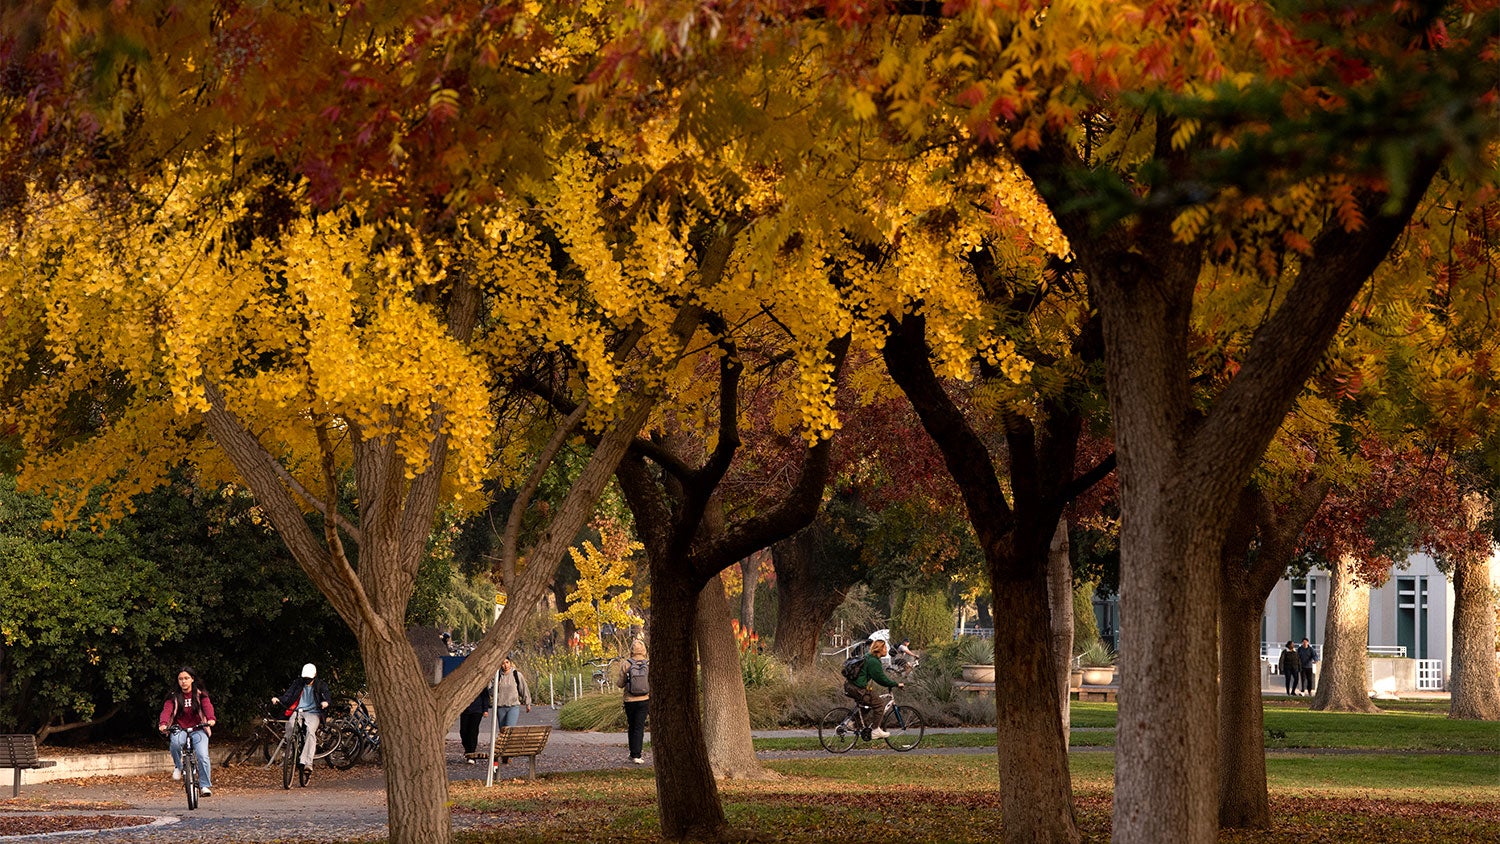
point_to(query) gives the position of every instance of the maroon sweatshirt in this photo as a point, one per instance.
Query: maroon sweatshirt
(192, 712)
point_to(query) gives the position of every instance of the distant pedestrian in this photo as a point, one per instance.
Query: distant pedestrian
(632, 676)
(511, 695)
(1306, 656)
(1290, 667)
(468, 724)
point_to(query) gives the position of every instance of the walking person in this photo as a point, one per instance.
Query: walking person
(306, 696)
(511, 694)
(189, 707)
(1290, 667)
(632, 676)
(468, 724)
(1306, 656)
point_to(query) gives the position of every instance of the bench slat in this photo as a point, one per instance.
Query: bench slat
(19, 752)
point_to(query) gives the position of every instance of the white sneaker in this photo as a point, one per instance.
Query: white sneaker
(207, 792)
(879, 733)
(176, 773)
(638, 760)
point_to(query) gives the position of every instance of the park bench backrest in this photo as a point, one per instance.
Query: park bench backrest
(18, 751)
(522, 741)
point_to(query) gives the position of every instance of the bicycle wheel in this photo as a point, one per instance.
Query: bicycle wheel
(328, 737)
(289, 752)
(346, 750)
(837, 731)
(906, 728)
(303, 774)
(190, 780)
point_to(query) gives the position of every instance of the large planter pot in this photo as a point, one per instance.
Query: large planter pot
(1099, 676)
(979, 673)
(1075, 678)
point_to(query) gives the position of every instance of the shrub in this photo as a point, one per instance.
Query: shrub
(593, 711)
(926, 617)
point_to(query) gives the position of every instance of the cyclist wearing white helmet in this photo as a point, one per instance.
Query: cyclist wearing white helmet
(307, 696)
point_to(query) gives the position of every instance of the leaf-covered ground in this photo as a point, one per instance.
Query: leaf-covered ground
(955, 799)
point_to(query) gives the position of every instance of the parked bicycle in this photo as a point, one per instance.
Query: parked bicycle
(843, 727)
(603, 681)
(355, 735)
(190, 781)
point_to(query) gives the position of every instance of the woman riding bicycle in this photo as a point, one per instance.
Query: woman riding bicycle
(189, 709)
(305, 700)
(871, 671)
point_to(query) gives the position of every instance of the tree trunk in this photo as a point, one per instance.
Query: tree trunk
(1243, 802)
(1166, 776)
(1472, 681)
(412, 747)
(1343, 685)
(749, 580)
(1037, 802)
(726, 715)
(687, 798)
(1060, 599)
(804, 603)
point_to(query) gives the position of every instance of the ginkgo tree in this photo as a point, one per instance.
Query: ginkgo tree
(605, 586)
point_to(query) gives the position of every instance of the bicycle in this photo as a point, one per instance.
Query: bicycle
(602, 680)
(263, 739)
(189, 765)
(354, 736)
(290, 753)
(843, 727)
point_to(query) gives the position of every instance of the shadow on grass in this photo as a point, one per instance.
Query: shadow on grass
(955, 799)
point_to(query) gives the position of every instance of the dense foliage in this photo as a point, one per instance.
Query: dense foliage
(94, 623)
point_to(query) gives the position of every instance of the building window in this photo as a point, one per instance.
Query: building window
(1304, 608)
(1411, 616)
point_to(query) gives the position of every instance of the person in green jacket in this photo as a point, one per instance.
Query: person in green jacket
(865, 694)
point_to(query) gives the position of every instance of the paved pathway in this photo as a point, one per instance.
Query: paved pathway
(249, 804)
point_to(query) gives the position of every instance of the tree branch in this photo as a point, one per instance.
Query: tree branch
(523, 496)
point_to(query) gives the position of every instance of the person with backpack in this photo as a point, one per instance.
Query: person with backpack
(189, 709)
(633, 678)
(306, 696)
(859, 673)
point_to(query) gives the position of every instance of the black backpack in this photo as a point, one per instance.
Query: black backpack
(852, 667)
(637, 683)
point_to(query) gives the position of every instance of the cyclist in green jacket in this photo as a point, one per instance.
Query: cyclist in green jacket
(864, 693)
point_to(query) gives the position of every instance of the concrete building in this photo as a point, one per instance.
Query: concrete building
(1411, 616)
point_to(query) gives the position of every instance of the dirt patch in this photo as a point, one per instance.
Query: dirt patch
(37, 824)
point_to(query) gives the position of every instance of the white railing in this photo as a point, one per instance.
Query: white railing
(976, 632)
(1398, 651)
(1429, 675)
(1271, 651)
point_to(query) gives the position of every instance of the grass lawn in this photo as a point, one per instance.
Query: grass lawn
(915, 798)
(1421, 728)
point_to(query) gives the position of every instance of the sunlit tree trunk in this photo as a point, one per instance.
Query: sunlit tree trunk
(1060, 599)
(1344, 683)
(1261, 543)
(1472, 681)
(687, 798)
(749, 580)
(726, 714)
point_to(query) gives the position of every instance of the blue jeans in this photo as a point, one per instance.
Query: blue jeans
(507, 716)
(200, 753)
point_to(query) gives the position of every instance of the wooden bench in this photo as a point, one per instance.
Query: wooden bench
(522, 741)
(19, 752)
